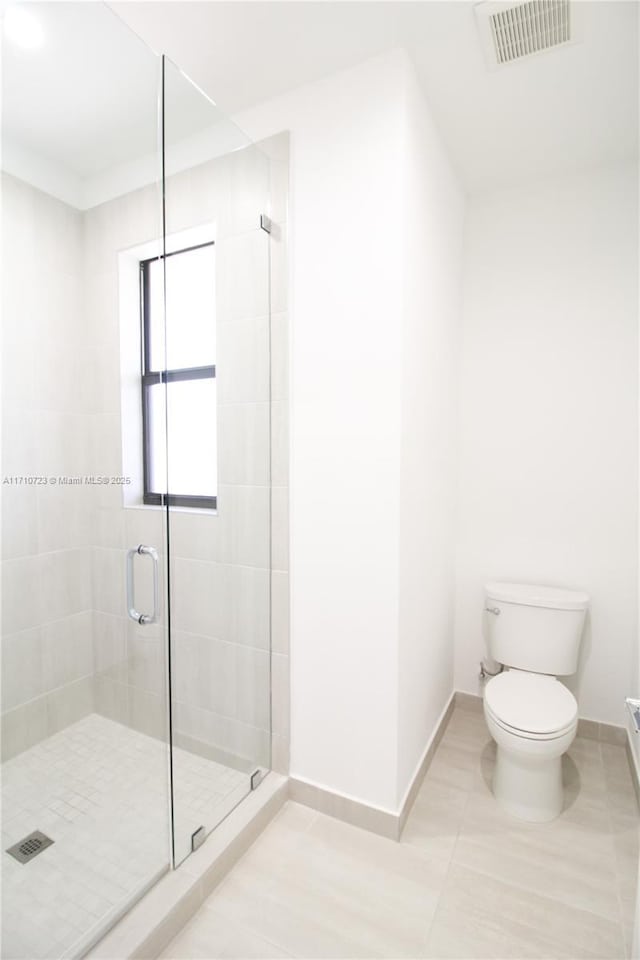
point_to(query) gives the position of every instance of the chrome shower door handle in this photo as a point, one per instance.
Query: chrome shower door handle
(142, 618)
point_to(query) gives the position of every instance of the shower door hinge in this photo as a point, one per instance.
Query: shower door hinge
(198, 837)
(634, 710)
(265, 223)
(256, 778)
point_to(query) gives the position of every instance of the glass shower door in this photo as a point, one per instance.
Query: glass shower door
(85, 801)
(217, 371)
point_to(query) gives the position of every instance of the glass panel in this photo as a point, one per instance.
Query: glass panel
(216, 181)
(84, 723)
(192, 428)
(191, 297)
(191, 408)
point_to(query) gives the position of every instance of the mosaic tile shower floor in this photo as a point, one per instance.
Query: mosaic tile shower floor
(100, 791)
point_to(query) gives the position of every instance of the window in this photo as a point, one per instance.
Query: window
(180, 354)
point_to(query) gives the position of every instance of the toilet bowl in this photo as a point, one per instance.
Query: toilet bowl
(533, 719)
(534, 632)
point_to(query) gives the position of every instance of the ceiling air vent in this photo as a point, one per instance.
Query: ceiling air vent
(511, 32)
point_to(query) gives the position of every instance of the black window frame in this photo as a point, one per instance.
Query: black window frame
(150, 378)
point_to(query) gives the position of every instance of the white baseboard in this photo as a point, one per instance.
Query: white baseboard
(425, 763)
(387, 823)
(355, 812)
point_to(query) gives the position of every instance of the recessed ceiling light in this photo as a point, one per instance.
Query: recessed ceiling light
(22, 28)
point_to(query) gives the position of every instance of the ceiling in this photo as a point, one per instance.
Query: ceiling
(85, 103)
(64, 101)
(572, 107)
(80, 112)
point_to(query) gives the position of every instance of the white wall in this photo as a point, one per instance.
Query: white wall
(634, 736)
(345, 357)
(432, 255)
(549, 437)
(356, 206)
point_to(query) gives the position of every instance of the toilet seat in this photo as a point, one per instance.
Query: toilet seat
(532, 706)
(526, 734)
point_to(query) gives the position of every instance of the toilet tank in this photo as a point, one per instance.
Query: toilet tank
(534, 628)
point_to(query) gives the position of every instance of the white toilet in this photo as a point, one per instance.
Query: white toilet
(535, 632)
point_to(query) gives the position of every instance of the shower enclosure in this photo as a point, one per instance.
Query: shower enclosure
(136, 474)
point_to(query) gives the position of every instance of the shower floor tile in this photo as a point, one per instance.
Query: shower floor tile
(99, 790)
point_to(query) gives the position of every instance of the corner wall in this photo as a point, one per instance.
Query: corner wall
(345, 276)
(371, 279)
(432, 304)
(549, 433)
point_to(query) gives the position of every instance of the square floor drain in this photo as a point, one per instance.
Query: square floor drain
(29, 847)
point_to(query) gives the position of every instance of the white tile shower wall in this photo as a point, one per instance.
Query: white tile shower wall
(549, 432)
(130, 684)
(62, 416)
(46, 646)
(130, 675)
(220, 564)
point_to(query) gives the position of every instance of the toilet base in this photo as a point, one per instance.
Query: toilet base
(527, 780)
(528, 787)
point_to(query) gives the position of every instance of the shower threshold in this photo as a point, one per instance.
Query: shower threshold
(155, 920)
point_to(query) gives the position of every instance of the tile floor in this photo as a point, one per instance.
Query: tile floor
(100, 791)
(466, 881)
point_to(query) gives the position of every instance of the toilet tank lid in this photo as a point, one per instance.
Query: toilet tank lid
(537, 596)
